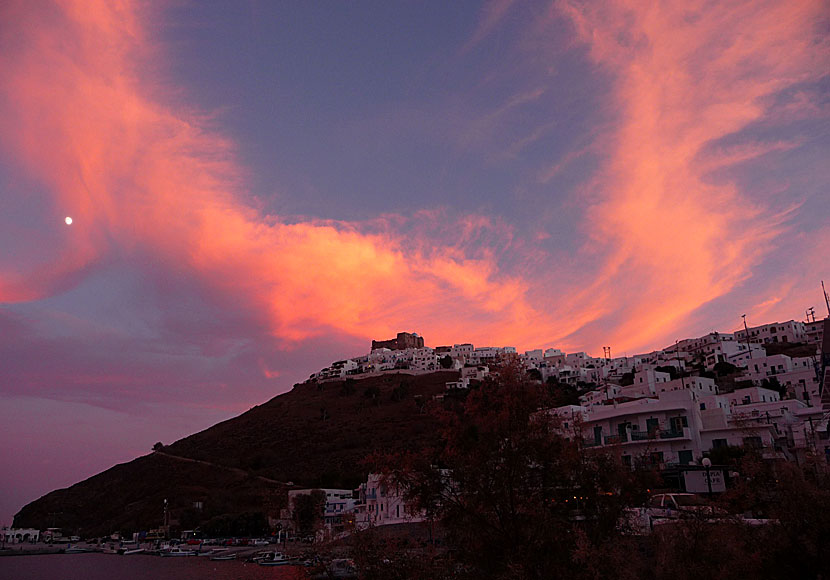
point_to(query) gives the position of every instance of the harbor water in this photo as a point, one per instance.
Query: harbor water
(96, 566)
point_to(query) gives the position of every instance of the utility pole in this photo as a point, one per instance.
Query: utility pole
(826, 298)
(746, 329)
(811, 311)
(679, 367)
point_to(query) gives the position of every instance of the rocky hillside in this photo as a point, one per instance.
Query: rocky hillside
(314, 435)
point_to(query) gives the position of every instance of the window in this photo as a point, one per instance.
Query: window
(703, 406)
(684, 457)
(718, 443)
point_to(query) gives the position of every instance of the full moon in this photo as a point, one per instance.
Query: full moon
(68, 220)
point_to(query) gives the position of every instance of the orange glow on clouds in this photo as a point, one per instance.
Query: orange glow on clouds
(686, 74)
(81, 110)
(84, 117)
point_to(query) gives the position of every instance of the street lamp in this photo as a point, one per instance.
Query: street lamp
(707, 463)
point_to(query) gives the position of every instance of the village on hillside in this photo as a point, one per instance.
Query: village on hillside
(671, 409)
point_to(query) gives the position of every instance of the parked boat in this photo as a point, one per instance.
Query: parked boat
(132, 551)
(177, 552)
(76, 550)
(223, 557)
(274, 559)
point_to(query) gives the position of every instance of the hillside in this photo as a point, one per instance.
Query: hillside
(314, 435)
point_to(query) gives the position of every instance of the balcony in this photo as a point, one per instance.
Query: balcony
(615, 439)
(670, 434)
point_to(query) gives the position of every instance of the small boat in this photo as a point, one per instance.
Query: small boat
(274, 559)
(222, 557)
(76, 550)
(177, 552)
(213, 552)
(133, 551)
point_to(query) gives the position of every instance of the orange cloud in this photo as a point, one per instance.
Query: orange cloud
(686, 74)
(82, 107)
(138, 173)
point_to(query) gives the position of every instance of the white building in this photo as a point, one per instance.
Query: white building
(790, 331)
(19, 535)
(676, 426)
(381, 503)
(339, 504)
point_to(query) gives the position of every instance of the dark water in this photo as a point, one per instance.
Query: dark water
(138, 567)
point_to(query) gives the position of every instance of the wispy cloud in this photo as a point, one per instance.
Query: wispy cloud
(144, 176)
(685, 76)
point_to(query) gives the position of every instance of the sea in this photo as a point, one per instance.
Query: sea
(96, 566)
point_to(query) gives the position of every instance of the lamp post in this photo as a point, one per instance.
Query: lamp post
(707, 463)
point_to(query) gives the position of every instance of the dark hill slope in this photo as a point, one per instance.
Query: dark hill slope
(314, 435)
(318, 434)
(130, 497)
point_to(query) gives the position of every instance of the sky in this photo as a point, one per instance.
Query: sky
(260, 188)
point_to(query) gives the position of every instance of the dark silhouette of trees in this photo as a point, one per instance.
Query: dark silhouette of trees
(515, 499)
(446, 362)
(308, 511)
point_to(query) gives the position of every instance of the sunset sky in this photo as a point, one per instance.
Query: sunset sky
(259, 188)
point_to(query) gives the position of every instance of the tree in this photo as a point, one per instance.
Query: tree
(373, 393)
(670, 369)
(308, 511)
(773, 384)
(516, 499)
(446, 362)
(400, 392)
(158, 446)
(724, 368)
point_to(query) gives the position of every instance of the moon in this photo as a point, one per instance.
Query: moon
(68, 220)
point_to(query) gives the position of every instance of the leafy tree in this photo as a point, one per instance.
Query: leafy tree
(373, 393)
(773, 384)
(308, 511)
(446, 362)
(671, 369)
(561, 394)
(348, 388)
(724, 368)
(159, 446)
(400, 392)
(516, 499)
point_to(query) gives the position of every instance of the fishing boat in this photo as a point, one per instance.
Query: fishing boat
(177, 552)
(274, 559)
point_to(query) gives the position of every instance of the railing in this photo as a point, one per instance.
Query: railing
(640, 436)
(590, 443)
(615, 439)
(670, 434)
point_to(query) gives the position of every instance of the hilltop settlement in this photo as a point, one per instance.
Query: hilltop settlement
(685, 415)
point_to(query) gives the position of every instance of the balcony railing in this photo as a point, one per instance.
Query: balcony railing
(670, 434)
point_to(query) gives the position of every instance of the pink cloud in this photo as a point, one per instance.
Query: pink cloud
(685, 76)
(141, 174)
